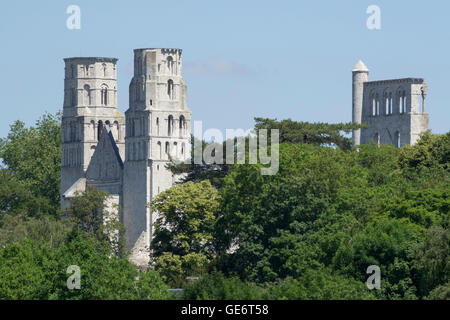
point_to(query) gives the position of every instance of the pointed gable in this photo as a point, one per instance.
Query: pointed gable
(106, 163)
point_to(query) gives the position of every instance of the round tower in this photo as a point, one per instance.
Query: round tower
(360, 75)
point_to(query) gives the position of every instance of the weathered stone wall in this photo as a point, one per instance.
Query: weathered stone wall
(90, 102)
(157, 125)
(393, 110)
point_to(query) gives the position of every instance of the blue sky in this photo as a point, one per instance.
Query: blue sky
(242, 59)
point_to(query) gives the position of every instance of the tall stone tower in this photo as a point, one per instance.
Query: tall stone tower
(157, 129)
(360, 75)
(90, 103)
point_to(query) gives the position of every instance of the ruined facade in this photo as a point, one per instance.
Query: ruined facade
(125, 156)
(393, 110)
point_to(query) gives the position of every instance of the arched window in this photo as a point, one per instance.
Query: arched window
(99, 129)
(87, 95)
(170, 126)
(104, 95)
(104, 69)
(93, 129)
(402, 100)
(116, 131)
(182, 126)
(159, 150)
(157, 126)
(182, 149)
(397, 139)
(167, 149)
(386, 103)
(374, 104)
(170, 88)
(377, 107)
(376, 138)
(170, 64)
(390, 103)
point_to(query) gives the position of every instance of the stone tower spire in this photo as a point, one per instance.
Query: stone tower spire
(157, 129)
(360, 75)
(90, 102)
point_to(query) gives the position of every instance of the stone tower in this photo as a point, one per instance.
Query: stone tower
(393, 109)
(90, 102)
(360, 75)
(157, 127)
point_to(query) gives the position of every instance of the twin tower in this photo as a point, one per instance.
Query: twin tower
(125, 156)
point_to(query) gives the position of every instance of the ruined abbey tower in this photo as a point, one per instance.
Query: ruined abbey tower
(393, 110)
(125, 156)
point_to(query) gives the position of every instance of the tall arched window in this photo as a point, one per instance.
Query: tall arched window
(93, 129)
(87, 95)
(157, 126)
(167, 149)
(182, 126)
(170, 125)
(374, 103)
(170, 88)
(390, 103)
(99, 129)
(104, 69)
(170, 64)
(377, 107)
(159, 150)
(402, 101)
(397, 139)
(104, 95)
(182, 149)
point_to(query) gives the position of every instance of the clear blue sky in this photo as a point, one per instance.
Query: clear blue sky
(278, 59)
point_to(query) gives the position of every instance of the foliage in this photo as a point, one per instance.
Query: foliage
(33, 157)
(33, 270)
(46, 229)
(432, 260)
(183, 242)
(321, 134)
(89, 213)
(217, 287)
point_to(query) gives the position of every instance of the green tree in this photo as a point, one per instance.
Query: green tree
(183, 229)
(432, 261)
(33, 157)
(321, 134)
(89, 213)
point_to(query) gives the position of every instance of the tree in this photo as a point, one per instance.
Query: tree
(46, 229)
(89, 212)
(183, 229)
(34, 270)
(432, 261)
(33, 157)
(321, 134)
